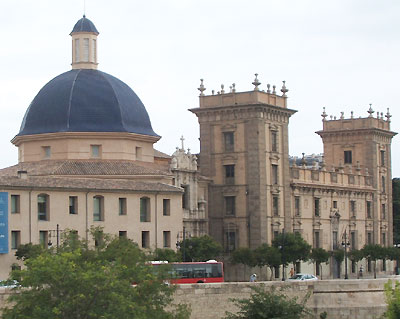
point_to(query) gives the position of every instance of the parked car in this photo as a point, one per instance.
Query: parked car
(303, 277)
(8, 283)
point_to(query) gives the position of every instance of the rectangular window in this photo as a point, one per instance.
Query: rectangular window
(369, 209)
(230, 241)
(166, 207)
(275, 205)
(316, 239)
(383, 184)
(95, 151)
(274, 174)
(98, 208)
(353, 240)
(122, 233)
(122, 206)
(334, 204)
(44, 238)
(85, 50)
(229, 141)
(384, 239)
(138, 151)
(185, 196)
(382, 158)
(276, 233)
(15, 239)
(348, 157)
(297, 211)
(369, 238)
(73, 205)
(145, 239)
(43, 207)
(94, 50)
(353, 208)
(46, 152)
(383, 211)
(274, 141)
(77, 55)
(317, 212)
(166, 239)
(229, 174)
(15, 204)
(334, 240)
(230, 205)
(144, 209)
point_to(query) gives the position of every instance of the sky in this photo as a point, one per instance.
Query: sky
(341, 55)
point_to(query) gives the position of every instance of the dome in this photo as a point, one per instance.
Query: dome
(84, 25)
(86, 100)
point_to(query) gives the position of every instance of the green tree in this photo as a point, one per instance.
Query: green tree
(265, 304)
(166, 254)
(373, 252)
(356, 255)
(392, 296)
(26, 251)
(244, 256)
(87, 283)
(199, 248)
(319, 256)
(269, 256)
(338, 255)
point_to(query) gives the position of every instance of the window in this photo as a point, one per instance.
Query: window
(274, 141)
(317, 211)
(230, 241)
(297, 211)
(369, 238)
(145, 239)
(122, 206)
(352, 240)
(46, 151)
(369, 209)
(229, 141)
(229, 174)
(73, 205)
(144, 209)
(316, 239)
(122, 233)
(98, 208)
(94, 50)
(334, 240)
(353, 208)
(95, 151)
(275, 205)
(138, 151)
(335, 204)
(77, 55)
(43, 207)
(85, 50)
(230, 205)
(185, 197)
(383, 213)
(382, 158)
(274, 174)
(348, 157)
(276, 233)
(44, 238)
(15, 204)
(166, 239)
(383, 239)
(166, 207)
(383, 184)
(15, 239)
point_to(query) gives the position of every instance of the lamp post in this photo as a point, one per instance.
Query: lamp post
(345, 244)
(397, 260)
(178, 246)
(55, 233)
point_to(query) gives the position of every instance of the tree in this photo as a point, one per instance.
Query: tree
(269, 256)
(356, 255)
(243, 256)
(264, 304)
(319, 256)
(338, 255)
(373, 252)
(26, 251)
(392, 296)
(166, 254)
(83, 282)
(199, 248)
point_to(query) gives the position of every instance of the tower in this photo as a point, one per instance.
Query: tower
(244, 151)
(365, 144)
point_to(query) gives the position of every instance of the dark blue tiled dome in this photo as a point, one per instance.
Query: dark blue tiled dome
(85, 100)
(84, 25)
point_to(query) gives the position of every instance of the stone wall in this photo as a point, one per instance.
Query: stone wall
(355, 299)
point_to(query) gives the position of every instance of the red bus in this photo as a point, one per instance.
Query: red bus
(195, 272)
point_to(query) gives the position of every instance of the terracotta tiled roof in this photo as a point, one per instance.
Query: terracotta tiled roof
(161, 154)
(86, 168)
(87, 184)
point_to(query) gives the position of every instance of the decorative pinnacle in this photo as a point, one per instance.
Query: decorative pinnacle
(324, 115)
(341, 115)
(274, 89)
(388, 115)
(284, 90)
(370, 110)
(256, 83)
(222, 89)
(352, 114)
(233, 87)
(201, 88)
(268, 88)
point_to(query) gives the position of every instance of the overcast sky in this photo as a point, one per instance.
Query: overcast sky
(340, 54)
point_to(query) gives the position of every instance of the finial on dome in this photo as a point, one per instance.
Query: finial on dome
(284, 90)
(201, 88)
(256, 82)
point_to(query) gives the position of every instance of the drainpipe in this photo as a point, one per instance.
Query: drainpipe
(87, 219)
(30, 216)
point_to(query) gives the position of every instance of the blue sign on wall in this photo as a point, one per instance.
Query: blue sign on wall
(3, 223)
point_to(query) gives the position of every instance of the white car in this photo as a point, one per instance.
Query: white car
(303, 277)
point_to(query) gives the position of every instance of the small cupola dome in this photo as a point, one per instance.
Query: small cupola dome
(84, 44)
